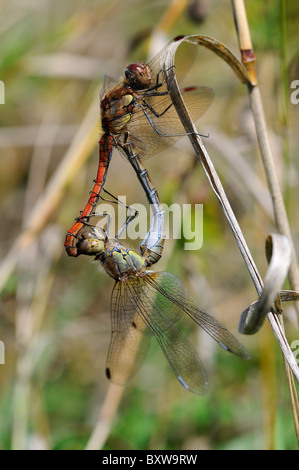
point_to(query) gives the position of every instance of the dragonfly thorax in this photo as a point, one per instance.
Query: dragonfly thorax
(118, 261)
(138, 76)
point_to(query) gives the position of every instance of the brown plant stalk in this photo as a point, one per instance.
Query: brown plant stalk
(280, 213)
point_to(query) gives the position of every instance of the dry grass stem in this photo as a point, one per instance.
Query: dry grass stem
(216, 185)
(280, 212)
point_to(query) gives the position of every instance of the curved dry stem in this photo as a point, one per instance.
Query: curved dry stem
(222, 51)
(201, 152)
(281, 218)
(280, 212)
(278, 250)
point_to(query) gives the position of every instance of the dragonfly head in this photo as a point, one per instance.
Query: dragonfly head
(138, 76)
(89, 245)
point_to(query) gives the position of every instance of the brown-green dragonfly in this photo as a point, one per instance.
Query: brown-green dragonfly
(146, 303)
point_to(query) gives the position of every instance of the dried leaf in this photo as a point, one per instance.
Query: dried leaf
(278, 252)
(212, 176)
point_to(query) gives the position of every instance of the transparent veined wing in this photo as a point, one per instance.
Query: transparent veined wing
(151, 132)
(130, 338)
(184, 58)
(171, 287)
(108, 84)
(159, 314)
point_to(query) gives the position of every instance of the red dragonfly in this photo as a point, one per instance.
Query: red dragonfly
(138, 118)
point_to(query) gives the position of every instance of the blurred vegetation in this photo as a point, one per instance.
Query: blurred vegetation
(55, 310)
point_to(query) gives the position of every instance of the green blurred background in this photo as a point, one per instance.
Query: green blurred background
(54, 316)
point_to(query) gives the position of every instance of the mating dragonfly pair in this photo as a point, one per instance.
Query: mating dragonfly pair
(138, 118)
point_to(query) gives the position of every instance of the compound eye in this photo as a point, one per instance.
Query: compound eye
(138, 75)
(127, 73)
(133, 70)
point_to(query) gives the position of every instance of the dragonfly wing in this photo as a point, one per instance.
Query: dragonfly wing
(184, 58)
(130, 338)
(108, 84)
(171, 287)
(156, 312)
(152, 134)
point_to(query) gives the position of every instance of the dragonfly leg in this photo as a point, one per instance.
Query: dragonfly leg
(153, 110)
(148, 117)
(151, 121)
(151, 91)
(130, 217)
(132, 213)
(152, 246)
(156, 93)
(95, 227)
